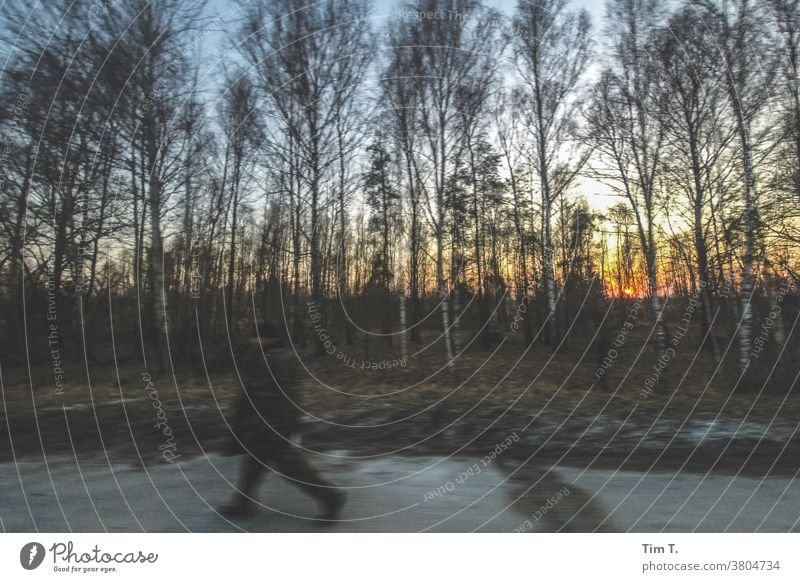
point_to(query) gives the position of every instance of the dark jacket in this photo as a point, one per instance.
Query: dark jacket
(267, 412)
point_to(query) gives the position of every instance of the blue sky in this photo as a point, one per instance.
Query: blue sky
(223, 13)
(216, 42)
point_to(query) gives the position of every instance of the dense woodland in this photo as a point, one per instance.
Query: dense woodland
(438, 174)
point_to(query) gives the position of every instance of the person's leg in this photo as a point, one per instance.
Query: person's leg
(291, 463)
(242, 504)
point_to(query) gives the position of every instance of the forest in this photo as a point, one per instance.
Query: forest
(403, 189)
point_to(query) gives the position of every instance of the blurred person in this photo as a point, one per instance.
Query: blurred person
(266, 417)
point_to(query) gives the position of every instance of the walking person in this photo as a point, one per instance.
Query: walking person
(266, 416)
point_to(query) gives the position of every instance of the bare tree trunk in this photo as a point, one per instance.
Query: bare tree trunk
(16, 277)
(387, 277)
(342, 271)
(746, 323)
(444, 304)
(662, 335)
(477, 226)
(157, 285)
(701, 249)
(549, 277)
(403, 330)
(232, 317)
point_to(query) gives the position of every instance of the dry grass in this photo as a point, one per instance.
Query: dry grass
(497, 391)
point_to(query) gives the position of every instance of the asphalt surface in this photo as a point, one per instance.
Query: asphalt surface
(390, 494)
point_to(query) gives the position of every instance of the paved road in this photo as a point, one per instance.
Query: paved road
(390, 494)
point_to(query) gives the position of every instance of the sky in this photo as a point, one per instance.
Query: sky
(216, 43)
